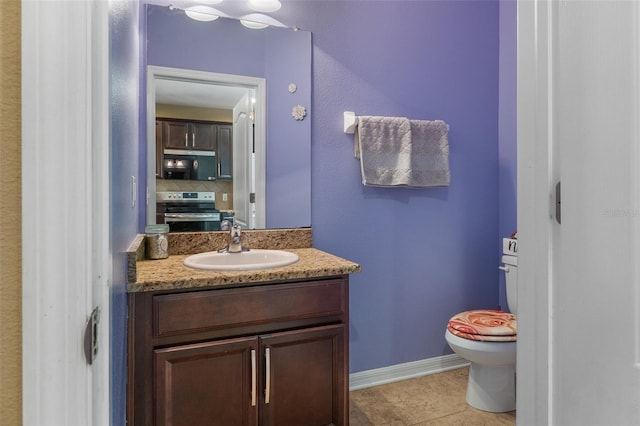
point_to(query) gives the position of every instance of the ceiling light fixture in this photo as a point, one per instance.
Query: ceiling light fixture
(264, 6)
(257, 21)
(201, 13)
(253, 25)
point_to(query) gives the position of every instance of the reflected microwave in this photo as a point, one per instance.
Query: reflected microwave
(192, 165)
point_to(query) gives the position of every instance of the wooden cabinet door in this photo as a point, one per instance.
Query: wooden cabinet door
(305, 380)
(199, 136)
(212, 383)
(225, 152)
(203, 136)
(176, 135)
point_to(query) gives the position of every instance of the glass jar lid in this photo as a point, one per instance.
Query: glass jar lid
(157, 229)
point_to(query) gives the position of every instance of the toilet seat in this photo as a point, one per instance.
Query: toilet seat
(485, 325)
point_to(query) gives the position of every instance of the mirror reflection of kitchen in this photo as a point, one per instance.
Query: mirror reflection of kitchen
(199, 128)
(269, 60)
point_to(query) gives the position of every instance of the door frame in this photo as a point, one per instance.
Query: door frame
(259, 84)
(536, 175)
(66, 261)
(550, 275)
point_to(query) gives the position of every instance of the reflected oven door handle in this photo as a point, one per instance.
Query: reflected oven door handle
(181, 217)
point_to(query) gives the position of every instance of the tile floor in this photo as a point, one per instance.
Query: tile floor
(436, 399)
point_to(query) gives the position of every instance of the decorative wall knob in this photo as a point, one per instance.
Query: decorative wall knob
(299, 112)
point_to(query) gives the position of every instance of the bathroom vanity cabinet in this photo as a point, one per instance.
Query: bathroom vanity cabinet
(257, 354)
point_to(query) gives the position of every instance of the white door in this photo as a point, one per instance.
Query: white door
(242, 170)
(65, 223)
(579, 123)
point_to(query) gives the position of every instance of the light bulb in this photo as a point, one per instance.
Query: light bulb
(201, 13)
(253, 25)
(265, 6)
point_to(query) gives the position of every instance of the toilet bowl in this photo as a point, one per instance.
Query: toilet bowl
(487, 339)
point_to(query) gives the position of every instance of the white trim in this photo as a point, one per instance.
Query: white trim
(101, 272)
(65, 223)
(408, 370)
(536, 178)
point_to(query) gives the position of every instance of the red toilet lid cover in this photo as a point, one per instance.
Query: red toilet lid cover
(485, 325)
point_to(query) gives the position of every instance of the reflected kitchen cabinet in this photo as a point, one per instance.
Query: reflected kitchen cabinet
(225, 152)
(200, 136)
(190, 135)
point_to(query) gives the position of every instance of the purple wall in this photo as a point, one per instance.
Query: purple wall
(425, 254)
(124, 66)
(507, 133)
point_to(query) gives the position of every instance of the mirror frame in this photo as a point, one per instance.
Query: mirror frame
(154, 73)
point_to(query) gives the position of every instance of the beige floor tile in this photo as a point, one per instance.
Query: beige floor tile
(473, 417)
(370, 407)
(437, 399)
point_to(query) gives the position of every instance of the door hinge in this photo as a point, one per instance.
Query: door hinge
(91, 336)
(252, 197)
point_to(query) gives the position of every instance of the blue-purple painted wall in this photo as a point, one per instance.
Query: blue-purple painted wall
(507, 129)
(430, 253)
(124, 64)
(426, 254)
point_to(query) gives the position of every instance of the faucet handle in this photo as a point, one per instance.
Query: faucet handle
(225, 225)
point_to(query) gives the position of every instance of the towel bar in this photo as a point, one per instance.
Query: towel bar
(350, 122)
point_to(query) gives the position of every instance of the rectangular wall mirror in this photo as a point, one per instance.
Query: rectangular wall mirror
(221, 126)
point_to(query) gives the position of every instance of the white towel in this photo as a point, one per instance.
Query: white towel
(383, 145)
(396, 151)
(429, 153)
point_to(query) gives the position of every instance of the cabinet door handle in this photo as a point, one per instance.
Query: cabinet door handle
(186, 139)
(193, 138)
(558, 201)
(267, 390)
(253, 377)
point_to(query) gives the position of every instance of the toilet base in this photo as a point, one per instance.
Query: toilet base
(492, 388)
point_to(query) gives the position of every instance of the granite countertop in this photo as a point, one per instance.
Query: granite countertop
(170, 273)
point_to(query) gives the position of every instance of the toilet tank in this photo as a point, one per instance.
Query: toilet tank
(511, 279)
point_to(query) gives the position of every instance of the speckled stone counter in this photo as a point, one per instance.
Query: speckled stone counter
(170, 273)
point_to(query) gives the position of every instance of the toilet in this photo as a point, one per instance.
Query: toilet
(487, 339)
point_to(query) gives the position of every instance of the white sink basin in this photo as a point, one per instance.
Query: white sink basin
(245, 261)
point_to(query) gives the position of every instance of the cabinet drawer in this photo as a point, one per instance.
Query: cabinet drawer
(211, 309)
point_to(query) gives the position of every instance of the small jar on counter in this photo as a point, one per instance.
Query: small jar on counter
(157, 241)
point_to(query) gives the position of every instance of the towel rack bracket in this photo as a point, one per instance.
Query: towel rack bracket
(350, 122)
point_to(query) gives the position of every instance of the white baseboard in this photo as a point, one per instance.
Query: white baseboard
(408, 370)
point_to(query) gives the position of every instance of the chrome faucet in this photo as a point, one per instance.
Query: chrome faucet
(235, 246)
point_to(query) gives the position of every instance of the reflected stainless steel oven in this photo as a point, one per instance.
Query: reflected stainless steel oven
(189, 211)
